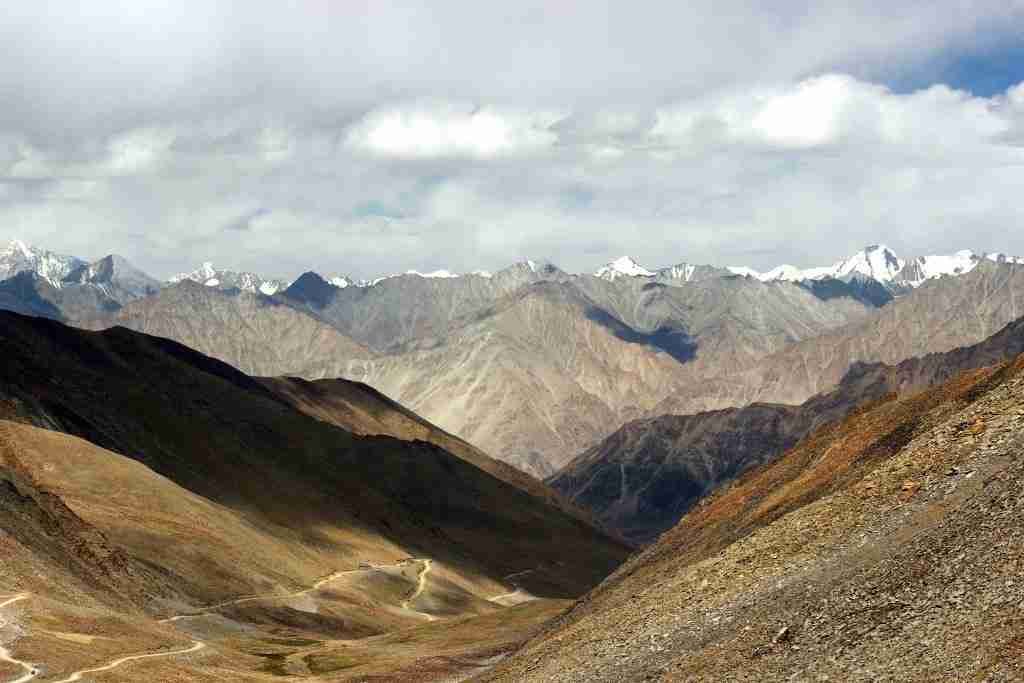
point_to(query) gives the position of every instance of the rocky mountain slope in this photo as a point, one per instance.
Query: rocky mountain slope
(940, 315)
(361, 409)
(230, 280)
(254, 333)
(542, 373)
(883, 547)
(645, 476)
(141, 480)
(529, 364)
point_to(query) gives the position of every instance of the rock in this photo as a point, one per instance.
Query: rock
(782, 636)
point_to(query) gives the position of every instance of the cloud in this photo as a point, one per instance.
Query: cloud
(369, 138)
(441, 129)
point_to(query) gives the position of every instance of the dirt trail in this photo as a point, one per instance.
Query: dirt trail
(517, 596)
(421, 584)
(31, 671)
(77, 676)
(274, 596)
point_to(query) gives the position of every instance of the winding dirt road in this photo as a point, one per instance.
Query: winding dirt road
(77, 676)
(31, 671)
(421, 584)
(268, 596)
(517, 596)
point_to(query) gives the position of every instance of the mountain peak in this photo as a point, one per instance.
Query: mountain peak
(207, 274)
(622, 266)
(19, 256)
(876, 261)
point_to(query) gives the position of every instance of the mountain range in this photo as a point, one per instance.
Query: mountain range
(535, 365)
(438, 477)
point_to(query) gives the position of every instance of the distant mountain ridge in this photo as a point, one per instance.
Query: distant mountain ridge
(530, 363)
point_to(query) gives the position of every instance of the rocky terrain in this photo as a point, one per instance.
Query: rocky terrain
(252, 332)
(882, 547)
(644, 477)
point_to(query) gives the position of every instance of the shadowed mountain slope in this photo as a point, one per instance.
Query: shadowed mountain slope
(223, 436)
(363, 410)
(882, 547)
(645, 476)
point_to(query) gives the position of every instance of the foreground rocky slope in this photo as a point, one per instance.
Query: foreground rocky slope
(884, 547)
(641, 479)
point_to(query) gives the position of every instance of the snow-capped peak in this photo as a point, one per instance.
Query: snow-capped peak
(877, 261)
(18, 257)
(744, 271)
(440, 273)
(17, 246)
(340, 281)
(207, 274)
(622, 266)
(923, 268)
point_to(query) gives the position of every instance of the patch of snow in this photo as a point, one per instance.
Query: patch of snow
(18, 257)
(743, 270)
(925, 268)
(622, 266)
(998, 257)
(442, 273)
(340, 281)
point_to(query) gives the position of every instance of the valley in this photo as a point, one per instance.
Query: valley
(433, 478)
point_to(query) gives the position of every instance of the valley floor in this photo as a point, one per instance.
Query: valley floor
(245, 639)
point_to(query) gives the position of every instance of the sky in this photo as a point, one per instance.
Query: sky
(366, 138)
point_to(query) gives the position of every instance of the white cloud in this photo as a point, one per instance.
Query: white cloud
(374, 138)
(836, 108)
(452, 130)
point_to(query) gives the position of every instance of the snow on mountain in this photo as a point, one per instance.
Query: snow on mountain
(18, 257)
(744, 271)
(622, 266)
(881, 264)
(682, 271)
(340, 281)
(442, 273)
(877, 262)
(1003, 258)
(923, 268)
(210, 276)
